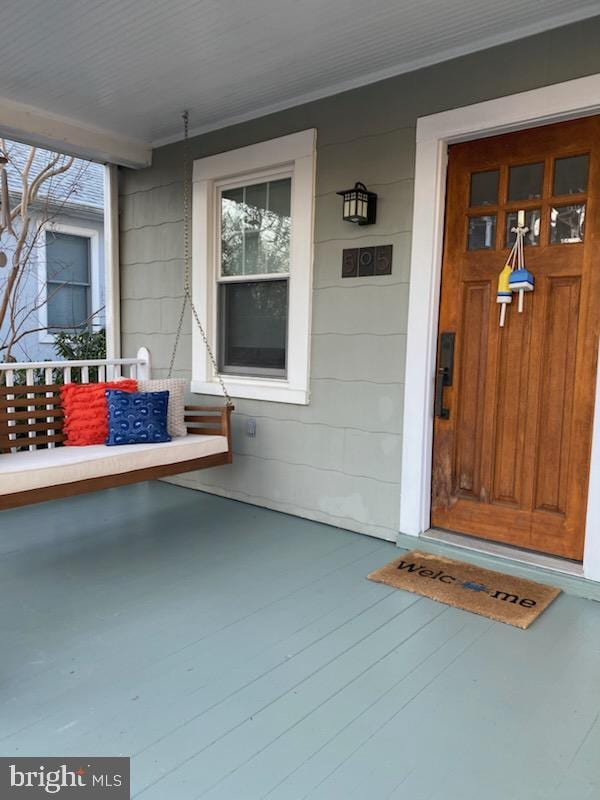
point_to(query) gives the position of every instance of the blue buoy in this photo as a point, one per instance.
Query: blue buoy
(521, 281)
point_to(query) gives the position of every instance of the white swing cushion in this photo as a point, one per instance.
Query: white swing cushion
(35, 469)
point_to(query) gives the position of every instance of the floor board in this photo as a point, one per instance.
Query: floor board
(238, 653)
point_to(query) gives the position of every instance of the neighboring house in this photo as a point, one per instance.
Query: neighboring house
(65, 276)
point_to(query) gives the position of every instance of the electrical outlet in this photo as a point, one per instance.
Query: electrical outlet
(251, 427)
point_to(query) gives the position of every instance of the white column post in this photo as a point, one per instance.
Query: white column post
(112, 302)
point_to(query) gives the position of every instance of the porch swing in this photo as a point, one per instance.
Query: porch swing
(31, 417)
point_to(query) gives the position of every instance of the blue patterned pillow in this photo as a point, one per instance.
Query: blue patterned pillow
(137, 417)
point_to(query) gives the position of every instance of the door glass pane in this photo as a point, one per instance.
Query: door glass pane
(67, 306)
(482, 232)
(67, 258)
(253, 325)
(525, 182)
(256, 228)
(570, 175)
(532, 221)
(484, 188)
(567, 224)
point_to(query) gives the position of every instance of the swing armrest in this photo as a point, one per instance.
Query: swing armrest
(209, 421)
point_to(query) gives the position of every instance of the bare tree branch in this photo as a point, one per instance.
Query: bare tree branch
(23, 224)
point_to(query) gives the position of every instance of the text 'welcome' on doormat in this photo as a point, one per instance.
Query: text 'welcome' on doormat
(506, 598)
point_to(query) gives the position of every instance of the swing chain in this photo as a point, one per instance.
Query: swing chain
(187, 287)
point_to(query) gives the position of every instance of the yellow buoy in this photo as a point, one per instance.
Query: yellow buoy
(504, 293)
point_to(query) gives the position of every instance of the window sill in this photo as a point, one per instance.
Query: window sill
(275, 391)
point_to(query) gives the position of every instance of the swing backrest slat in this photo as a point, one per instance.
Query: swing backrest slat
(30, 417)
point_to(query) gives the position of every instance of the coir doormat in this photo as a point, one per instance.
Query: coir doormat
(506, 598)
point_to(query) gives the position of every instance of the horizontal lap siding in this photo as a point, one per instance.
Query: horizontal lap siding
(338, 459)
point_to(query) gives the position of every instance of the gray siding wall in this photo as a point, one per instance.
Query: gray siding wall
(337, 460)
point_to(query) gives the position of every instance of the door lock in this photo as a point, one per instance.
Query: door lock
(444, 373)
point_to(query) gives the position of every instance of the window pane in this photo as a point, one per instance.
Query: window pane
(67, 258)
(256, 202)
(525, 182)
(532, 221)
(567, 224)
(67, 306)
(256, 228)
(482, 232)
(280, 196)
(253, 326)
(232, 232)
(570, 175)
(484, 188)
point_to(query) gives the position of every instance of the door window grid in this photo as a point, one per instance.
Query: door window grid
(550, 223)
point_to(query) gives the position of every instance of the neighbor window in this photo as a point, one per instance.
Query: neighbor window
(253, 278)
(68, 281)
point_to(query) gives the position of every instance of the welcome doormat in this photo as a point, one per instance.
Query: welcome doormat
(505, 598)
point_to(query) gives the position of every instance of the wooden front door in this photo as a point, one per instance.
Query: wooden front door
(512, 433)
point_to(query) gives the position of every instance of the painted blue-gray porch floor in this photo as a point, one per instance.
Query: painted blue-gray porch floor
(239, 653)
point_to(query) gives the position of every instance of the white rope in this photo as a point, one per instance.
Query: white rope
(187, 286)
(513, 256)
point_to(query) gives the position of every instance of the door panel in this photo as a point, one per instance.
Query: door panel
(476, 304)
(509, 435)
(556, 401)
(511, 462)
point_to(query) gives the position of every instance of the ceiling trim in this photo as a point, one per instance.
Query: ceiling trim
(44, 129)
(540, 26)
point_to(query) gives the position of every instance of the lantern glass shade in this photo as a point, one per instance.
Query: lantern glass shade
(359, 205)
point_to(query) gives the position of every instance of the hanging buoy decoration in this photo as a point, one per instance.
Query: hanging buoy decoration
(504, 293)
(514, 277)
(521, 281)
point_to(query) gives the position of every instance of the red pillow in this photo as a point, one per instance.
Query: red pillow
(86, 414)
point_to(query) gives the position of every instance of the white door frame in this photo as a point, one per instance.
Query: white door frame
(561, 101)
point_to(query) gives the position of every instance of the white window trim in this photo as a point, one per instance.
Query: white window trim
(44, 336)
(549, 104)
(297, 153)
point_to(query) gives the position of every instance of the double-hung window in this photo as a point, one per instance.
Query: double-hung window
(70, 295)
(68, 281)
(252, 268)
(253, 280)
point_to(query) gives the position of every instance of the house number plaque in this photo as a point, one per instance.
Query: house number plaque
(365, 261)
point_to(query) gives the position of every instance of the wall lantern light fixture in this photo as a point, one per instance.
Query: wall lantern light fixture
(360, 205)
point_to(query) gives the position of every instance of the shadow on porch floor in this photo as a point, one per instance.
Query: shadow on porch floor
(239, 653)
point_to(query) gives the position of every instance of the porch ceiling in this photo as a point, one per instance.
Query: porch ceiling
(128, 67)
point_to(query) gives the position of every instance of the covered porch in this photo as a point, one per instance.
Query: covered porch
(218, 627)
(238, 652)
